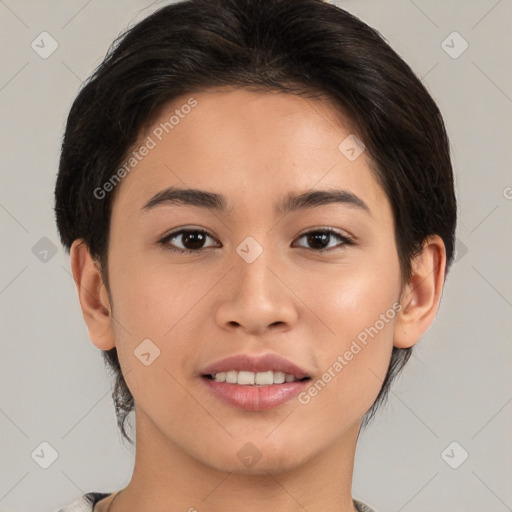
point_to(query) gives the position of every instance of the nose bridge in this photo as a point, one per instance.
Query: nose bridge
(257, 298)
(252, 262)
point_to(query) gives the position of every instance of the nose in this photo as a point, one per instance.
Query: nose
(257, 297)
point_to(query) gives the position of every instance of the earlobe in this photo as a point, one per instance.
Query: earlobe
(93, 297)
(421, 296)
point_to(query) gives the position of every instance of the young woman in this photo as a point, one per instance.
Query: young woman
(258, 201)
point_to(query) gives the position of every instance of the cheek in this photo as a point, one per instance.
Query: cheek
(352, 297)
(165, 305)
(353, 363)
(152, 301)
(150, 306)
(358, 308)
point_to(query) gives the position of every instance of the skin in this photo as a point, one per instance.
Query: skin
(307, 306)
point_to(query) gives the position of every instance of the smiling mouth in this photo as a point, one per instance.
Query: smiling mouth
(255, 391)
(247, 378)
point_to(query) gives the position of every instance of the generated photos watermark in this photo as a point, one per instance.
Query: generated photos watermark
(143, 150)
(343, 360)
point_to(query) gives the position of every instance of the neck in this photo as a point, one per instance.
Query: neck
(167, 477)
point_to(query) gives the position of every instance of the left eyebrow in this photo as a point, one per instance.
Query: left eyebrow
(187, 197)
(314, 198)
(292, 202)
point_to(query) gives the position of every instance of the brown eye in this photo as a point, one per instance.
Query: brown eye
(319, 239)
(191, 240)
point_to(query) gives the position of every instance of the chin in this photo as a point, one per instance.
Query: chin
(259, 457)
(264, 466)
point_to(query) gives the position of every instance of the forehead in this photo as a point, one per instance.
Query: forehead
(247, 146)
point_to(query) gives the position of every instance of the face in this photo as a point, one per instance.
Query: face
(254, 278)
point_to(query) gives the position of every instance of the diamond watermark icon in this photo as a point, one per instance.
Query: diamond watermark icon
(454, 45)
(249, 455)
(44, 45)
(44, 455)
(44, 249)
(146, 352)
(461, 249)
(249, 250)
(454, 455)
(351, 147)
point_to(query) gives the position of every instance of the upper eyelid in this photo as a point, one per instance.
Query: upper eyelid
(180, 231)
(345, 238)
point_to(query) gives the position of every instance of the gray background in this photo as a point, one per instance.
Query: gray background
(457, 387)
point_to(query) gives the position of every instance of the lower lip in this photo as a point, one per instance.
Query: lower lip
(255, 398)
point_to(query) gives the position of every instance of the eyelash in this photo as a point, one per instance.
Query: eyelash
(165, 241)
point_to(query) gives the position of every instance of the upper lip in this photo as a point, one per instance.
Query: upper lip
(255, 363)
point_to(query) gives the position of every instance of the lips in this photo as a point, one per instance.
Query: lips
(255, 363)
(255, 397)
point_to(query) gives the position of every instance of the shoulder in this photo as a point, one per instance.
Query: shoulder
(85, 503)
(363, 507)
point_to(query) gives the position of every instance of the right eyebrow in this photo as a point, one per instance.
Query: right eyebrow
(187, 196)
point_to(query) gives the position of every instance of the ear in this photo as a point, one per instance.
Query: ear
(93, 296)
(421, 296)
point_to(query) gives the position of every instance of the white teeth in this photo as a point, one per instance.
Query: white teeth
(280, 377)
(245, 378)
(265, 378)
(220, 377)
(231, 377)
